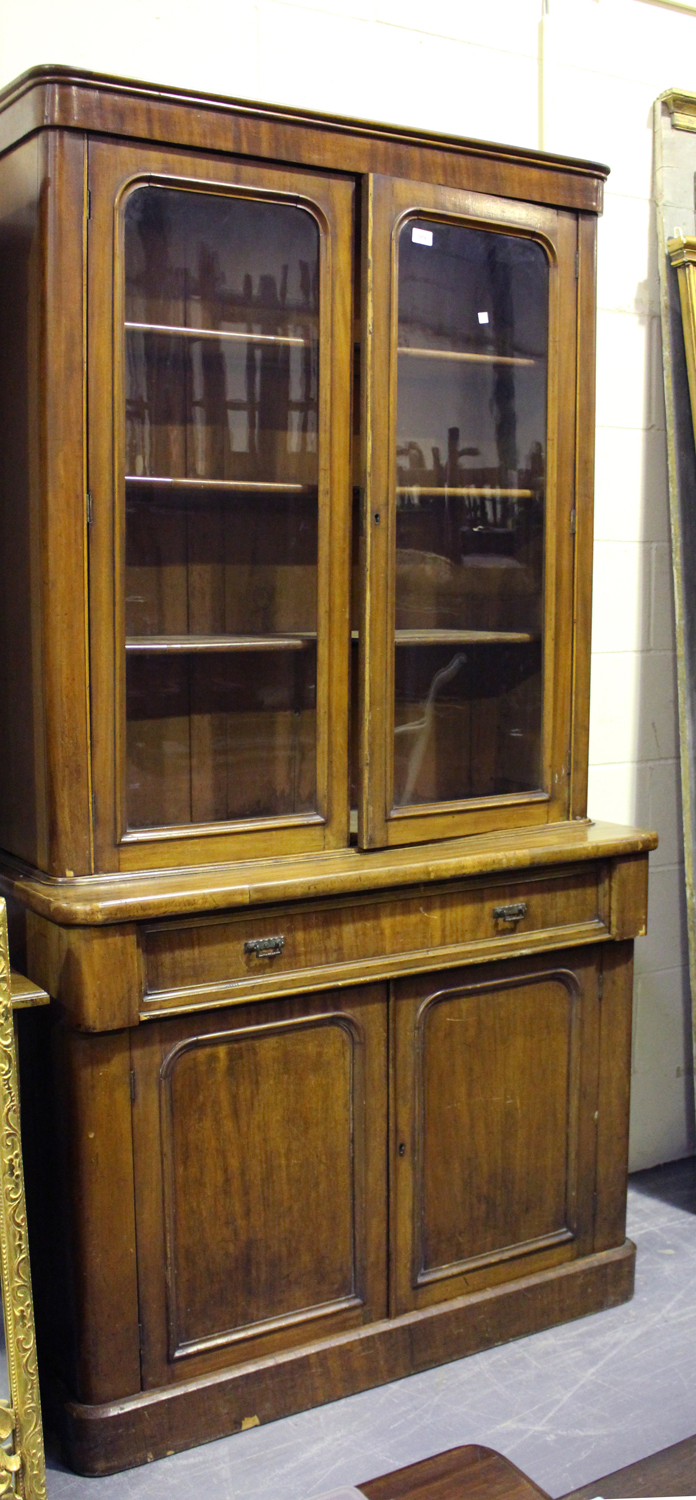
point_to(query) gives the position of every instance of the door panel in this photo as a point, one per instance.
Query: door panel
(469, 479)
(494, 1087)
(261, 1136)
(219, 313)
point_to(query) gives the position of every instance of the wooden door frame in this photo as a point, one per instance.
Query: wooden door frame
(578, 971)
(115, 170)
(387, 205)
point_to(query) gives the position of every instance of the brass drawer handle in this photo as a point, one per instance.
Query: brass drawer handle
(513, 913)
(265, 947)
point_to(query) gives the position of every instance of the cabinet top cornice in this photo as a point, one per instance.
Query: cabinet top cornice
(56, 97)
(97, 899)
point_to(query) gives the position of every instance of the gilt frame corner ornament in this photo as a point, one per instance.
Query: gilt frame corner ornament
(22, 1464)
(682, 108)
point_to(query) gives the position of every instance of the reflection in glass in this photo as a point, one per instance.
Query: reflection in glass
(222, 372)
(470, 462)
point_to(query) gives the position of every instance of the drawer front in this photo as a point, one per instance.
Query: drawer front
(268, 952)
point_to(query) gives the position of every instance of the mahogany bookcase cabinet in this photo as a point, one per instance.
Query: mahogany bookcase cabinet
(295, 552)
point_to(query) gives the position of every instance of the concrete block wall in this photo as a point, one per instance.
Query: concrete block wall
(575, 76)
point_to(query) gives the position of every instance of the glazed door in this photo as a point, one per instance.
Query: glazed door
(493, 1124)
(469, 389)
(260, 1164)
(219, 412)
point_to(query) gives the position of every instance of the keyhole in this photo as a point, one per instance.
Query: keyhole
(402, 1149)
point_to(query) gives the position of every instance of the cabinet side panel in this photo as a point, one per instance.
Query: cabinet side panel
(93, 972)
(62, 481)
(93, 1084)
(613, 1096)
(584, 507)
(22, 790)
(44, 796)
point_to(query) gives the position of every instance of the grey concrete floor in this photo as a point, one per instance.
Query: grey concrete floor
(567, 1406)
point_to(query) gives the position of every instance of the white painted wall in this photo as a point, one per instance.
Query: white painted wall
(581, 80)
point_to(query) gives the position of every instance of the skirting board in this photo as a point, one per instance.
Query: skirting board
(98, 1440)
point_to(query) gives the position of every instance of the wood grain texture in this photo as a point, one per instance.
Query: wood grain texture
(22, 730)
(64, 540)
(470, 1473)
(461, 177)
(106, 977)
(669, 1472)
(584, 509)
(94, 1130)
(613, 1094)
(387, 204)
(207, 960)
(493, 1137)
(629, 898)
(284, 1179)
(402, 1138)
(42, 622)
(73, 99)
(94, 973)
(104, 1439)
(25, 993)
(180, 760)
(185, 892)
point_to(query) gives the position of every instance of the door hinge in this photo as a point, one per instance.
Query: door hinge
(132, 1085)
(572, 522)
(90, 508)
(600, 985)
(577, 265)
(94, 808)
(89, 203)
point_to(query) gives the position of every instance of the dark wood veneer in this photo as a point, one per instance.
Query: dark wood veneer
(318, 1113)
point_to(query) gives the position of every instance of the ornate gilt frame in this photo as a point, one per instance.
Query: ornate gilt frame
(675, 163)
(22, 1466)
(682, 254)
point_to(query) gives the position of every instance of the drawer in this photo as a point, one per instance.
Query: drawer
(318, 944)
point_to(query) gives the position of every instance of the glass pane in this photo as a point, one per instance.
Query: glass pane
(222, 371)
(470, 462)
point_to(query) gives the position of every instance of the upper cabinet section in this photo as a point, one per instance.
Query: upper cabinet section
(296, 487)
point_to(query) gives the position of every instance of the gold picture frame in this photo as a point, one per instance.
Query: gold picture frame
(22, 1464)
(674, 168)
(682, 254)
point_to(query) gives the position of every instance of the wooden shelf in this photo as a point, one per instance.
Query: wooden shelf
(458, 637)
(465, 358)
(463, 637)
(186, 644)
(160, 645)
(486, 492)
(217, 333)
(241, 485)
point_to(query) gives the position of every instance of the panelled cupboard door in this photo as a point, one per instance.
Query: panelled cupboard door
(494, 1086)
(219, 358)
(260, 1164)
(469, 336)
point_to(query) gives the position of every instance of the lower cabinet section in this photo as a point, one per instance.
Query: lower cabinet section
(268, 1187)
(273, 1204)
